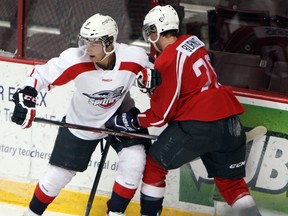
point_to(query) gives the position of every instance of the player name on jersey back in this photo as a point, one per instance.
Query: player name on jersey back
(190, 45)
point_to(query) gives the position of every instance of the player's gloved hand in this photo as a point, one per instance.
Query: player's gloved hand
(123, 122)
(147, 80)
(24, 111)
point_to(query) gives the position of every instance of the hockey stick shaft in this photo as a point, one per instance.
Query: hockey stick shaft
(96, 130)
(98, 175)
(250, 135)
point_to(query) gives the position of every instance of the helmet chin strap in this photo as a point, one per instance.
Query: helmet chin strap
(157, 49)
(154, 42)
(104, 57)
(107, 53)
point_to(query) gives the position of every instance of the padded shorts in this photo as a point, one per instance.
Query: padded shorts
(71, 152)
(220, 144)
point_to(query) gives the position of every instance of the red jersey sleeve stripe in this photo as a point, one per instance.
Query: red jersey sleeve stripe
(73, 71)
(35, 83)
(32, 72)
(35, 80)
(131, 66)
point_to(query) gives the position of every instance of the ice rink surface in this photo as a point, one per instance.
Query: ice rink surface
(15, 210)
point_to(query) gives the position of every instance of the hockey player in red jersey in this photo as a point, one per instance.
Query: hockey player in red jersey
(103, 72)
(202, 115)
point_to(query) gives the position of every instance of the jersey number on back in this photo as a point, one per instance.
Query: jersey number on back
(205, 62)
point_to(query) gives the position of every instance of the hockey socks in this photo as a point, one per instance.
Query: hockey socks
(150, 206)
(232, 189)
(37, 206)
(40, 201)
(117, 203)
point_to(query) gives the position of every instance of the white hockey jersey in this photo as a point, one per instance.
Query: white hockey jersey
(99, 93)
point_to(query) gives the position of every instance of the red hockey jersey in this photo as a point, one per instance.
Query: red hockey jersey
(189, 89)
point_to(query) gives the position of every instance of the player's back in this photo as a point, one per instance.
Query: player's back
(201, 97)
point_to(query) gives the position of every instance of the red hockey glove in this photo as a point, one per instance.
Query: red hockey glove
(123, 122)
(147, 80)
(24, 111)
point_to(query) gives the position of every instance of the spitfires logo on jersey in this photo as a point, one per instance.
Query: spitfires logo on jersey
(106, 98)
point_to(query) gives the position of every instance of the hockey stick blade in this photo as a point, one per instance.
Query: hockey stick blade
(255, 133)
(93, 129)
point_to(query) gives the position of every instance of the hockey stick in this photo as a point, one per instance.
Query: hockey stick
(96, 130)
(104, 153)
(255, 133)
(250, 135)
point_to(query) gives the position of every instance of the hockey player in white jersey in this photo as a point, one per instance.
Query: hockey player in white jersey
(103, 72)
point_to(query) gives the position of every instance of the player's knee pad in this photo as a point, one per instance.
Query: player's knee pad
(232, 189)
(131, 166)
(54, 180)
(153, 179)
(154, 174)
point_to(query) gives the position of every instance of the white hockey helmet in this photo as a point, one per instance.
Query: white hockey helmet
(160, 19)
(99, 28)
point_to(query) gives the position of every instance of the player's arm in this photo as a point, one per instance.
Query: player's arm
(42, 76)
(57, 71)
(147, 80)
(126, 121)
(25, 103)
(122, 118)
(163, 101)
(25, 98)
(129, 121)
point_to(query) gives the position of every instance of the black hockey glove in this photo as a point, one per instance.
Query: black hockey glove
(147, 80)
(24, 111)
(124, 122)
